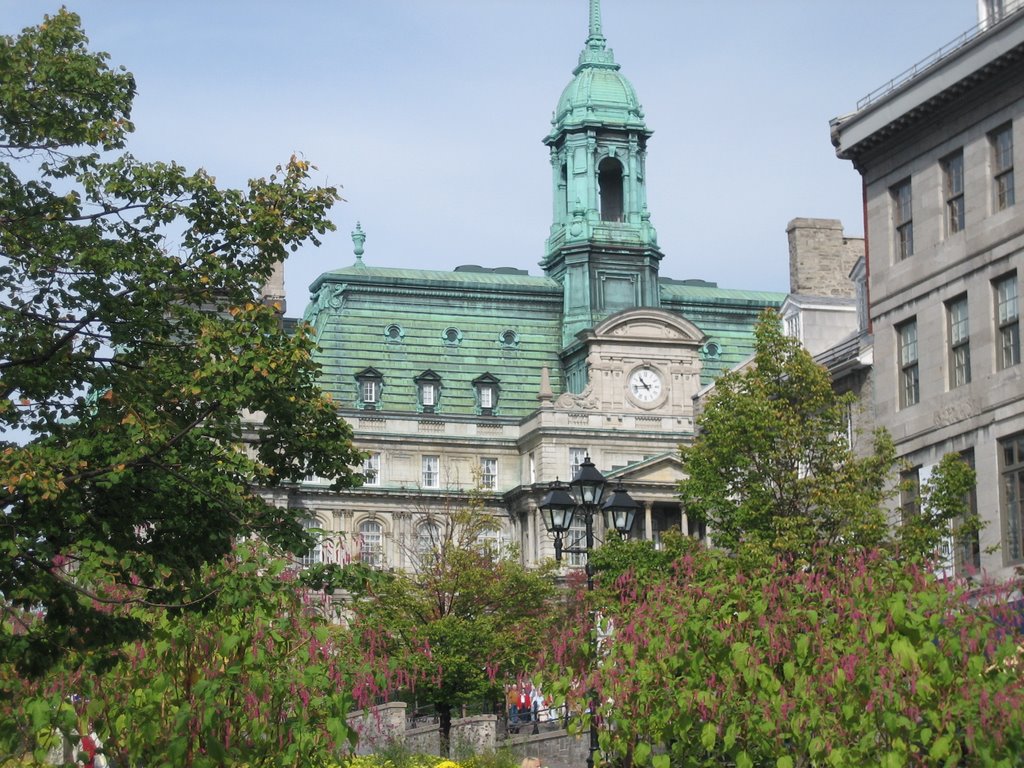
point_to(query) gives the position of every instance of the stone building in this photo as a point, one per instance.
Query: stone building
(489, 383)
(937, 151)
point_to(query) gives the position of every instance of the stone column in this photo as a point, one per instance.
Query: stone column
(648, 531)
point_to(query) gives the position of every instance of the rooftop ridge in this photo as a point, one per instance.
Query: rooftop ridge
(934, 58)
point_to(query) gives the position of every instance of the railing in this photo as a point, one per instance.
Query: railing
(534, 721)
(512, 722)
(959, 42)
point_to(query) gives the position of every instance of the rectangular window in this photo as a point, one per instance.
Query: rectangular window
(903, 220)
(793, 326)
(910, 494)
(1007, 321)
(576, 457)
(959, 342)
(486, 397)
(576, 539)
(968, 545)
(428, 393)
(1002, 167)
(953, 172)
(371, 469)
(910, 387)
(369, 387)
(431, 471)
(489, 473)
(1011, 461)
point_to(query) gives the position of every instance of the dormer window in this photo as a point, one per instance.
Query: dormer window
(486, 394)
(451, 336)
(370, 384)
(509, 339)
(428, 387)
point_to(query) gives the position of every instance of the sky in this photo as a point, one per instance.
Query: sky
(430, 113)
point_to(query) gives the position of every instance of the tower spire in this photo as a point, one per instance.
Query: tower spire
(595, 51)
(595, 36)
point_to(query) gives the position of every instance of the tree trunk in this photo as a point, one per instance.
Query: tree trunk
(444, 716)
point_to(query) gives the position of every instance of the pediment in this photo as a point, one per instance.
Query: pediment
(649, 325)
(665, 468)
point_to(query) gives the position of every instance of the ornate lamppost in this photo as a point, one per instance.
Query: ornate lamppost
(559, 507)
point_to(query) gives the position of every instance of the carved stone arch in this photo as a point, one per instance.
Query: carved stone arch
(611, 187)
(648, 323)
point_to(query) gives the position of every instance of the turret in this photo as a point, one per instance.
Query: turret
(602, 245)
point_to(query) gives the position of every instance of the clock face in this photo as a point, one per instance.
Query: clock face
(645, 385)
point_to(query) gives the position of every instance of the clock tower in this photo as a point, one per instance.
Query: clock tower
(602, 246)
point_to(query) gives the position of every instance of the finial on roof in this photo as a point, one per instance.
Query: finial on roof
(544, 393)
(358, 238)
(595, 53)
(595, 24)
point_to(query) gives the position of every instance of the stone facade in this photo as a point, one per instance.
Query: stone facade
(821, 257)
(938, 154)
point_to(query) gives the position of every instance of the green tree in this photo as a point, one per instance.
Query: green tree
(466, 620)
(771, 470)
(132, 342)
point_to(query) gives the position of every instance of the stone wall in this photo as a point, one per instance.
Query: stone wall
(380, 727)
(424, 739)
(386, 725)
(474, 735)
(555, 749)
(821, 257)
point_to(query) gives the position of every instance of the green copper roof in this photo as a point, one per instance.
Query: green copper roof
(473, 321)
(458, 325)
(462, 277)
(598, 93)
(726, 315)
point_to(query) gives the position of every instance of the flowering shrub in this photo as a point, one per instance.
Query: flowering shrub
(854, 662)
(250, 674)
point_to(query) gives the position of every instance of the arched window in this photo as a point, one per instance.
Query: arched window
(371, 543)
(428, 542)
(490, 542)
(609, 182)
(315, 554)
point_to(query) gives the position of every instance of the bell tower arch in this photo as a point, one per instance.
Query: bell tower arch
(602, 246)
